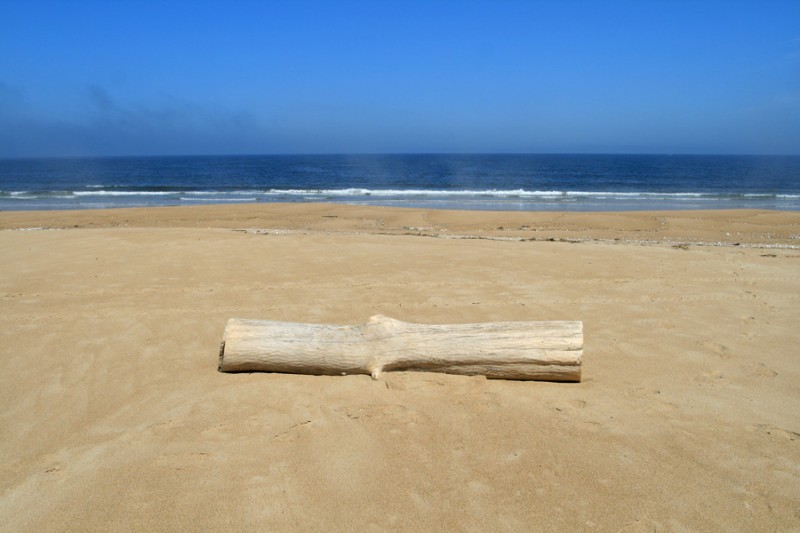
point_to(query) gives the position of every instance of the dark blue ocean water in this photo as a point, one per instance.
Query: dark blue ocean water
(494, 182)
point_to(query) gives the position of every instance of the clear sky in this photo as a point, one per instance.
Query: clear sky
(238, 77)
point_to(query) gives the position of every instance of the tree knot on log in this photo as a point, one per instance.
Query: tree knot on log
(380, 327)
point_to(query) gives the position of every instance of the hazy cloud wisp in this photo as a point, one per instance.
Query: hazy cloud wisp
(164, 125)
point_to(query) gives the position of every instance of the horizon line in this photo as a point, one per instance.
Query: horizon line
(384, 154)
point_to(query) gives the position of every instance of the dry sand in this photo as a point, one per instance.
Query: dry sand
(113, 416)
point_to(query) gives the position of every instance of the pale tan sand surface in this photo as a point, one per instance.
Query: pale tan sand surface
(113, 416)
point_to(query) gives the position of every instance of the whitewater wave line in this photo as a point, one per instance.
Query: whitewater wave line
(396, 193)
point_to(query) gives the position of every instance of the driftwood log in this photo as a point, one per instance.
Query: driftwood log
(545, 351)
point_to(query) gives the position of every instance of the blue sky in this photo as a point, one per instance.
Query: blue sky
(239, 77)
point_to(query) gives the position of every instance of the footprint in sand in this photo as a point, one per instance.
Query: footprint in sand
(759, 370)
(712, 376)
(568, 405)
(717, 349)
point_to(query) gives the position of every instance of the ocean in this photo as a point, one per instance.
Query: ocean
(476, 182)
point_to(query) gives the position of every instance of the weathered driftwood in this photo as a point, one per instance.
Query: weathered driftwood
(545, 351)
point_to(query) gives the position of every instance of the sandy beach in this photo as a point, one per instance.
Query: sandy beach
(113, 416)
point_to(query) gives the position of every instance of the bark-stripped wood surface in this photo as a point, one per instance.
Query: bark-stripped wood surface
(544, 351)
